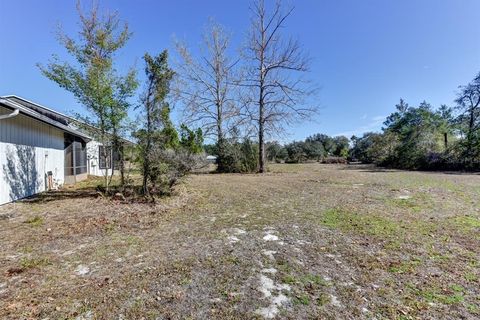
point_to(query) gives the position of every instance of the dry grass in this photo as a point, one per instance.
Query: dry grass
(325, 241)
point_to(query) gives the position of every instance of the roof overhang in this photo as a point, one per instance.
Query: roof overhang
(29, 112)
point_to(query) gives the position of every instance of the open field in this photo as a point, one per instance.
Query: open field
(303, 241)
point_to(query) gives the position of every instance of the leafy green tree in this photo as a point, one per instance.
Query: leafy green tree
(314, 150)
(341, 145)
(158, 129)
(190, 140)
(468, 104)
(210, 149)
(419, 133)
(275, 151)
(93, 79)
(371, 147)
(447, 125)
(296, 152)
(326, 141)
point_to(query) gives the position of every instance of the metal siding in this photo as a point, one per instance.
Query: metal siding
(28, 150)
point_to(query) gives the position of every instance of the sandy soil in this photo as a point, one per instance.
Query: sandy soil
(303, 241)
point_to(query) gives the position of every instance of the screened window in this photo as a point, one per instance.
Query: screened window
(104, 157)
(75, 156)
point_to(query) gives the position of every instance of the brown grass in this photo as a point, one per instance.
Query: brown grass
(353, 242)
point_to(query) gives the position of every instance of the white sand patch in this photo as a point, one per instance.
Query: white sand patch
(270, 237)
(269, 253)
(269, 270)
(82, 270)
(335, 301)
(267, 286)
(271, 311)
(280, 299)
(303, 242)
(85, 316)
(3, 288)
(284, 286)
(233, 239)
(238, 231)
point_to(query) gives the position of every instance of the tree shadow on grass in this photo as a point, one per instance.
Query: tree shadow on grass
(56, 195)
(371, 168)
(367, 168)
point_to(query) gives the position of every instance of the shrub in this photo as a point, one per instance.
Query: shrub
(169, 166)
(335, 160)
(239, 157)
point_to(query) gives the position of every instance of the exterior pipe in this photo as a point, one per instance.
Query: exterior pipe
(14, 113)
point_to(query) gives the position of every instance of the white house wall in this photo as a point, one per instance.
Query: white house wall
(28, 150)
(92, 158)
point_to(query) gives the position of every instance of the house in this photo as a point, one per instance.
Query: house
(41, 148)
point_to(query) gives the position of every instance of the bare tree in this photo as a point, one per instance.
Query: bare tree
(206, 85)
(274, 76)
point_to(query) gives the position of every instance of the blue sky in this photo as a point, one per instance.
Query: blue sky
(366, 54)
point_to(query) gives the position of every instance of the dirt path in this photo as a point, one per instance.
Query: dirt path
(304, 241)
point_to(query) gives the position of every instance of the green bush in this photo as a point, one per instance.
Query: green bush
(238, 157)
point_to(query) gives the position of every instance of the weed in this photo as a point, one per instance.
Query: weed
(289, 279)
(367, 224)
(302, 299)
(471, 277)
(404, 266)
(34, 221)
(323, 299)
(30, 263)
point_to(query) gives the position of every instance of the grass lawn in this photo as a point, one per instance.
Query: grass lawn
(303, 241)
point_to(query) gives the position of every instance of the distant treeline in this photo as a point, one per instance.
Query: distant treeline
(318, 147)
(422, 137)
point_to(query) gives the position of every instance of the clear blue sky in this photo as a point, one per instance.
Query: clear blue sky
(367, 54)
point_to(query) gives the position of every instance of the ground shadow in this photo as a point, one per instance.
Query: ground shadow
(56, 195)
(376, 169)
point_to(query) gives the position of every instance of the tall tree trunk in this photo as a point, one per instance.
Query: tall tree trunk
(122, 165)
(261, 132)
(220, 141)
(261, 149)
(146, 157)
